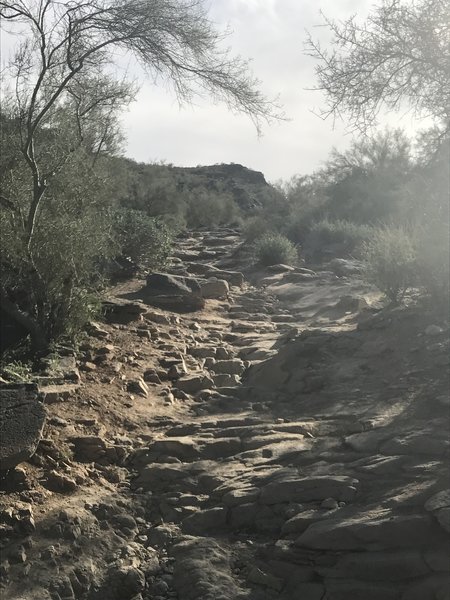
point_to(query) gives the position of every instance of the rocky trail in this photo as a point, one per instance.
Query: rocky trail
(231, 433)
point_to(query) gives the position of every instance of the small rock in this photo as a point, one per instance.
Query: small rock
(151, 376)
(180, 395)
(58, 421)
(209, 362)
(233, 366)
(18, 555)
(156, 317)
(138, 386)
(57, 482)
(95, 330)
(88, 366)
(4, 569)
(144, 334)
(192, 385)
(201, 352)
(224, 353)
(89, 448)
(106, 349)
(177, 371)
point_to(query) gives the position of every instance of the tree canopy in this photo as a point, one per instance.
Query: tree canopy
(400, 56)
(62, 96)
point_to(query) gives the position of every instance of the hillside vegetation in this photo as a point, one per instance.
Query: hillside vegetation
(110, 217)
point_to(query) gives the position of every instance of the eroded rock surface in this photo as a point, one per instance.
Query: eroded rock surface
(285, 442)
(22, 419)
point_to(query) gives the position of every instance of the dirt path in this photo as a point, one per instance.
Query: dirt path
(288, 441)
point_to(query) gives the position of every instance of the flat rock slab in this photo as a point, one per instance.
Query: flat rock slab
(372, 531)
(122, 311)
(309, 489)
(164, 284)
(203, 571)
(22, 419)
(172, 292)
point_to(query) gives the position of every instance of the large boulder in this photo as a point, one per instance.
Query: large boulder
(22, 419)
(163, 284)
(215, 288)
(122, 311)
(173, 292)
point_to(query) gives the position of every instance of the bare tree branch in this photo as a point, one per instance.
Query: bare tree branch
(399, 56)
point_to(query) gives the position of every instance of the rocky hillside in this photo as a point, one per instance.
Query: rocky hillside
(228, 433)
(248, 188)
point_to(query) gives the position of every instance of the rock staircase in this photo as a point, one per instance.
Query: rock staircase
(299, 451)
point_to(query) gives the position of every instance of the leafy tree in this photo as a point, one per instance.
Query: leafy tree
(400, 54)
(366, 182)
(61, 103)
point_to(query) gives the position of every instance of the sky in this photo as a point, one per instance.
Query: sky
(272, 34)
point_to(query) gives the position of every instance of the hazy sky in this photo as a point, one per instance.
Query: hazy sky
(272, 34)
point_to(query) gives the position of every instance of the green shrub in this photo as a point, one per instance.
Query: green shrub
(273, 249)
(389, 261)
(256, 227)
(16, 371)
(143, 239)
(340, 237)
(433, 263)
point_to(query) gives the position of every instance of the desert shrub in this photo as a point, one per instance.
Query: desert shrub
(256, 227)
(16, 371)
(50, 287)
(339, 237)
(143, 239)
(208, 209)
(300, 221)
(433, 263)
(389, 261)
(274, 248)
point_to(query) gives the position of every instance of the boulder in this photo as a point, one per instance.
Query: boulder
(22, 419)
(376, 531)
(214, 288)
(173, 292)
(234, 366)
(137, 386)
(233, 277)
(161, 284)
(192, 385)
(122, 311)
(88, 447)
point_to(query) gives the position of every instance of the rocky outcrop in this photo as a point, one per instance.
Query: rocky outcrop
(289, 442)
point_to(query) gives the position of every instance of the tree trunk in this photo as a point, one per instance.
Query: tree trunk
(38, 338)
